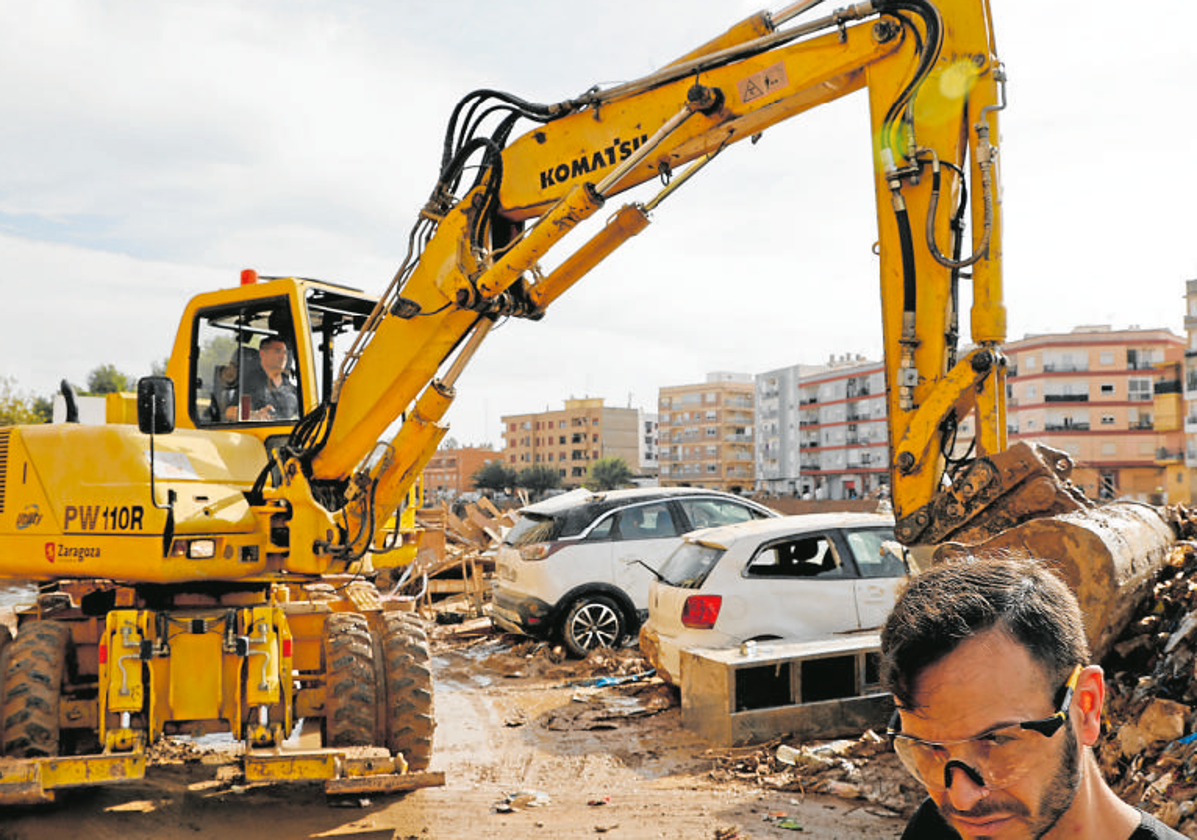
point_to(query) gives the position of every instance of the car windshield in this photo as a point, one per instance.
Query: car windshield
(690, 564)
(531, 528)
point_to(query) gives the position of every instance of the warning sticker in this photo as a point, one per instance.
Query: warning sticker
(172, 465)
(763, 83)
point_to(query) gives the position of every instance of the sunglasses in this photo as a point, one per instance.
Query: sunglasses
(995, 760)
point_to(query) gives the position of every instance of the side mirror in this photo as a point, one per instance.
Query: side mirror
(156, 405)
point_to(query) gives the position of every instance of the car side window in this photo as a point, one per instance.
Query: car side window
(645, 522)
(876, 553)
(804, 557)
(602, 531)
(707, 513)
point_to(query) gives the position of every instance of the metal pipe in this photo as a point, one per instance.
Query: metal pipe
(671, 125)
(793, 10)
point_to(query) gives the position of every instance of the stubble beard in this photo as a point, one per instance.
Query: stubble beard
(1061, 793)
(1057, 798)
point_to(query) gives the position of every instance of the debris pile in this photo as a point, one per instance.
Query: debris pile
(456, 558)
(861, 769)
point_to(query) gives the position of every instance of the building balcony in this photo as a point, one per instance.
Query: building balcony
(1073, 367)
(1066, 427)
(1169, 456)
(1066, 398)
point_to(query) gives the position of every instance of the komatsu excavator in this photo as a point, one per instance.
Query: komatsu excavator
(206, 570)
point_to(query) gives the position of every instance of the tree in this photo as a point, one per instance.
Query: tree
(537, 479)
(608, 474)
(106, 379)
(17, 408)
(494, 476)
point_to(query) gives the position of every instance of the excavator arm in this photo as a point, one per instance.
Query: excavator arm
(475, 255)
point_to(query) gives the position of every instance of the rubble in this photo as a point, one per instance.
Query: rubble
(456, 559)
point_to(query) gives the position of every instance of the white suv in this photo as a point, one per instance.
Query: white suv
(795, 578)
(578, 566)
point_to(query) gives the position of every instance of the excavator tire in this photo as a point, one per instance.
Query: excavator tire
(350, 678)
(409, 717)
(5, 646)
(414, 624)
(37, 661)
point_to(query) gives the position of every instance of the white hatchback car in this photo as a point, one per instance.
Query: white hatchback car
(577, 567)
(793, 578)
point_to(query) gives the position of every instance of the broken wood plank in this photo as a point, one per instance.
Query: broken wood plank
(386, 783)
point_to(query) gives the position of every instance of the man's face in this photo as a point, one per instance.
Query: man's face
(274, 357)
(991, 681)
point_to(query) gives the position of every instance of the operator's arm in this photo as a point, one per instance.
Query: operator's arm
(932, 77)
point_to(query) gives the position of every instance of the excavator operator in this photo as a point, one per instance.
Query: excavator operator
(275, 397)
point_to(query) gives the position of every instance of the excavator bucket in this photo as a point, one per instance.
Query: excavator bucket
(1110, 556)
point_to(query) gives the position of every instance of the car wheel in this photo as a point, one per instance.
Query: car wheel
(593, 622)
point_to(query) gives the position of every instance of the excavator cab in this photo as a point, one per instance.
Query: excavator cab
(263, 354)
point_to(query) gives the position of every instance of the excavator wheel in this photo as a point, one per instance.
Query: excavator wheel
(37, 661)
(5, 645)
(409, 718)
(414, 624)
(350, 678)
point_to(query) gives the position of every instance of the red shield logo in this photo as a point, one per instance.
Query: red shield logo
(51, 550)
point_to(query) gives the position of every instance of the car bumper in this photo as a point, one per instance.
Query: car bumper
(522, 614)
(663, 657)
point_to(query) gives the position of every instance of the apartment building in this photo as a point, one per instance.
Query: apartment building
(706, 433)
(1189, 380)
(1109, 398)
(843, 438)
(649, 444)
(449, 471)
(571, 439)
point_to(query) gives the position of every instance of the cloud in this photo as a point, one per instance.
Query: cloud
(154, 149)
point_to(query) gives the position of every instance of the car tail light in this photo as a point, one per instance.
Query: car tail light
(539, 551)
(701, 611)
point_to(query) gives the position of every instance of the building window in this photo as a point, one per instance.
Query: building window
(1107, 389)
(1109, 449)
(1107, 357)
(1139, 389)
(1107, 419)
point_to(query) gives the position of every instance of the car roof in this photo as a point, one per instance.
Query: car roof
(763, 530)
(615, 498)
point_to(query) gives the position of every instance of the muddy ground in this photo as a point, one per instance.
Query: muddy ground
(528, 751)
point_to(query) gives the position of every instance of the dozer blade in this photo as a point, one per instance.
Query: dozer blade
(1110, 556)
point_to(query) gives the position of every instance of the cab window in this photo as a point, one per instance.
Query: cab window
(245, 365)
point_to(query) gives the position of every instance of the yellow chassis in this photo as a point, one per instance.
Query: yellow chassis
(34, 781)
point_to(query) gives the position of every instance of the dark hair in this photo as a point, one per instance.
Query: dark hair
(271, 339)
(958, 599)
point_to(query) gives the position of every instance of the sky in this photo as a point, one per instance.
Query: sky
(152, 150)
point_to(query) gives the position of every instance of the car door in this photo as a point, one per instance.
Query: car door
(645, 533)
(879, 560)
(797, 588)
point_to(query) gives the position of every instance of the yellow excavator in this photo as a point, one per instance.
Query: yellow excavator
(206, 570)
